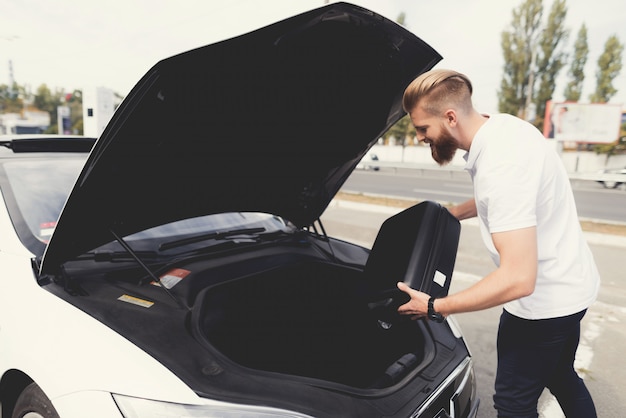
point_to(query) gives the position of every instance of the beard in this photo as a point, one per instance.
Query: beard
(444, 148)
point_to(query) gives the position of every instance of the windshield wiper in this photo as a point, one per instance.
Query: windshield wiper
(112, 256)
(50, 144)
(212, 235)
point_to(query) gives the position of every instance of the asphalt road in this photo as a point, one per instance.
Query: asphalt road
(600, 359)
(592, 199)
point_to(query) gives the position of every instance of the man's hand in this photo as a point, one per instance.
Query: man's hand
(464, 210)
(417, 307)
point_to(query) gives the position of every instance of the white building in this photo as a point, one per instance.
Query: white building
(27, 122)
(98, 108)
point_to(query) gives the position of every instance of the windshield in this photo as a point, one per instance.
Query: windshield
(35, 190)
(197, 232)
(212, 223)
(188, 236)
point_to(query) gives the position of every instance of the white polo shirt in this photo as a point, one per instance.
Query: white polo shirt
(519, 182)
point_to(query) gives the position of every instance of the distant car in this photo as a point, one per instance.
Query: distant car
(613, 184)
(180, 268)
(368, 162)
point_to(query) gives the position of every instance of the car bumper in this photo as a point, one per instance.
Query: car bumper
(455, 397)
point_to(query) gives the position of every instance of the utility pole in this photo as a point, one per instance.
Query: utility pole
(10, 38)
(11, 79)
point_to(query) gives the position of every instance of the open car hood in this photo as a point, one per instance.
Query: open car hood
(271, 121)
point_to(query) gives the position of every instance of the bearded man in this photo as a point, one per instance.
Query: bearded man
(545, 275)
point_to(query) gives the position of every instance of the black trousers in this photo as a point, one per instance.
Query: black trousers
(538, 354)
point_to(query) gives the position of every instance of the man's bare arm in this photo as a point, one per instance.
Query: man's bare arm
(515, 278)
(464, 210)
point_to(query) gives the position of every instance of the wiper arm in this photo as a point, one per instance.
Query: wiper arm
(212, 235)
(111, 256)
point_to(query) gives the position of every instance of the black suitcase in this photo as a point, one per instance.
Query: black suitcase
(417, 246)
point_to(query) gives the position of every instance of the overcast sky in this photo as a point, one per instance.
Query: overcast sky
(72, 44)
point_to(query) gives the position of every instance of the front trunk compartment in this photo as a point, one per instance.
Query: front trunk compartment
(287, 324)
(309, 320)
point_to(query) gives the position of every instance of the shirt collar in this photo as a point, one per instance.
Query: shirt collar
(476, 147)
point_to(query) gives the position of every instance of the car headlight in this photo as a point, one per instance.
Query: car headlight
(146, 408)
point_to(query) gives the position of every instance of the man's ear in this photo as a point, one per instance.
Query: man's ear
(451, 118)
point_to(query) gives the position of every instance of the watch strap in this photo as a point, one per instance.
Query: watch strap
(432, 314)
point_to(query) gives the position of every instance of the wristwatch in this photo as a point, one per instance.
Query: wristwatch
(432, 315)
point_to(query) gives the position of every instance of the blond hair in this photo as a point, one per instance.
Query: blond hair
(437, 90)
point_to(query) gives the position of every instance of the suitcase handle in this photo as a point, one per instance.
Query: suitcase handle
(385, 305)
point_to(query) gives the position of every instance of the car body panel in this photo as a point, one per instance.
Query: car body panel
(10, 243)
(97, 404)
(95, 357)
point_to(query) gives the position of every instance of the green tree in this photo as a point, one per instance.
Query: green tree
(48, 101)
(401, 19)
(18, 98)
(10, 102)
(550, 60)
(609, 67)
(614, 148)
(43, 99)
(576, 72)
(401, 131)
(517, 48)
(74, 101)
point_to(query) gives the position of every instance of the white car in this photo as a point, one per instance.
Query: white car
(616, 174)
(179, 268)
(369, 162)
